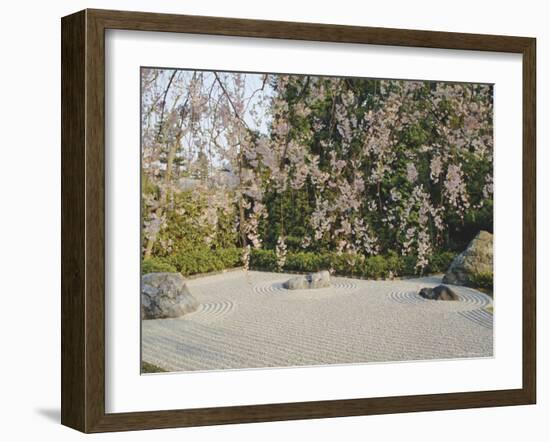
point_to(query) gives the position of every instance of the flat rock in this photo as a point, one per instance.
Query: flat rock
(476, 259)
(315, 280)
(439, 293)
(165, 295)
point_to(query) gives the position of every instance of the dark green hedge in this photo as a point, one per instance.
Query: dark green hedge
(206, 260)
(483, 280)
(371, 267)
(375, 267)
(157, 265)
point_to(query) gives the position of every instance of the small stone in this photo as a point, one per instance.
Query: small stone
(439, 293)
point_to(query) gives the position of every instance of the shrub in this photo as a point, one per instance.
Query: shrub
(373, 267)
(377, 267)
(263, 259)
(408, 265)
(185, 227)
(395, 263)
(483, 280)
(307, 262)
(230, 257)
(293, 242)
(440, 262)
(206, 260)
(345, 264)
(157, 265)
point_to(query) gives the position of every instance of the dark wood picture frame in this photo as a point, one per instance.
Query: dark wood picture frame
(83, 220)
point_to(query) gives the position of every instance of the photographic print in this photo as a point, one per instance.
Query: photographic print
(302, 220)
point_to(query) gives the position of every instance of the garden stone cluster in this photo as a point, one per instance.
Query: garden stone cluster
(165, 295)
(311, 281)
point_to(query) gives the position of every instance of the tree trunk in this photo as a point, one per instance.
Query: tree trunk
(241, 201)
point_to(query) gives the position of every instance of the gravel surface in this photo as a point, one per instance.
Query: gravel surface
(248, 320)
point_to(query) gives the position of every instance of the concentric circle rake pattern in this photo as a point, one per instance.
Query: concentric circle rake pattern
(277, 287)
(481, 317)
(474, 300)
(406, 297)
(215, 309)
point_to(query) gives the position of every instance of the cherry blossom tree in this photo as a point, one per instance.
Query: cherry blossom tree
(355, 166)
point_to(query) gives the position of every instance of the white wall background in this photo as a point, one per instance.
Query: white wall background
(30, 217)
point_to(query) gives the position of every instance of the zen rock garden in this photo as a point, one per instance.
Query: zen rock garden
(314, 219)
(253, 319)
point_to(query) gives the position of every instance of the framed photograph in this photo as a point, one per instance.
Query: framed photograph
(268, 221)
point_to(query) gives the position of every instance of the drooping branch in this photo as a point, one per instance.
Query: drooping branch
(164, 96)
(230, 100)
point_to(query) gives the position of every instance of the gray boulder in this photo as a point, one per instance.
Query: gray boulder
(296, 283)
(439, 293)
(165, 295)
(312, 281)
(476, 259)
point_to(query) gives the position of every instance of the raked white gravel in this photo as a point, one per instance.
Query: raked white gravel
(248, 320)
